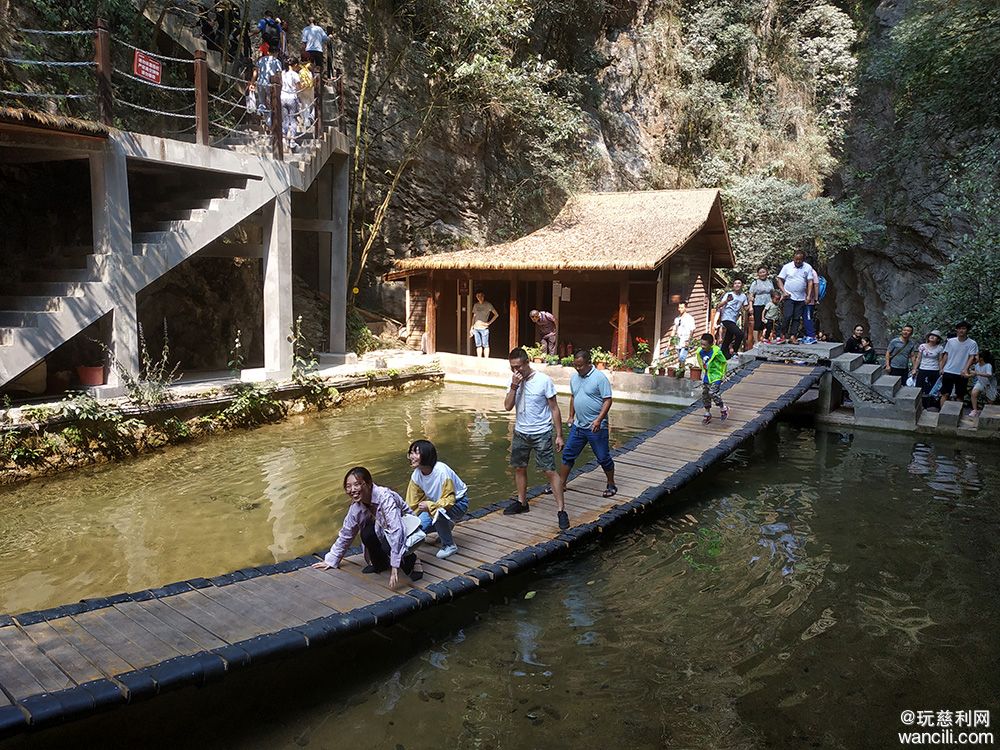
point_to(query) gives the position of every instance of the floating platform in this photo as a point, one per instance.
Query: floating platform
(70, 661)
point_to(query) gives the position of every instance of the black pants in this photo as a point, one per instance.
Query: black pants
(793, 311)
(925, 381)
(900, 371)
(733, 336)
(378, 550)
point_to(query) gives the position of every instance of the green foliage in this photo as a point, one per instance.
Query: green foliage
(360, 339)
(566, 361)
(151, 385)
(253, 405)
(237, 357)
(304, 364)
(770, 218)
(21, 452)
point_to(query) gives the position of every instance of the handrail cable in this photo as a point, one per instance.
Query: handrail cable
(87, 32)
(43, 95)
(154, 111)
(152, 83)
(49, 63)
(153, 54)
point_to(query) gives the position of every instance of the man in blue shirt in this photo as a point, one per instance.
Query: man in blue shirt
(589, 403)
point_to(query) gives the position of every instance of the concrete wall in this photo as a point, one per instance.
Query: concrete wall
(626, 386)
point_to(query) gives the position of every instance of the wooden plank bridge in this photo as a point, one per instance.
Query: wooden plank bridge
(72, 660)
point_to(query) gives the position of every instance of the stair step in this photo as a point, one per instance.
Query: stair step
(30, 303)
(868, 374)
(888, 385)
(18, 318)
(149, 238)
(48, 289)
(61, 274)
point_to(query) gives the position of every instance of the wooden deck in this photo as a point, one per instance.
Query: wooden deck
(69, 661)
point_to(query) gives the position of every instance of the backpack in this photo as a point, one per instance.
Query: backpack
(271, 33)
(822, 288)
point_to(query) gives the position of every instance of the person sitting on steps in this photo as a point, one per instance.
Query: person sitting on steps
(436, 494)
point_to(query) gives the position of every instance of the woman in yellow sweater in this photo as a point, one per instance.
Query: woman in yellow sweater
(436, 494)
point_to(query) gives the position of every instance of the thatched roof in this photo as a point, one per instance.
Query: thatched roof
(33, 118)
(632, 231)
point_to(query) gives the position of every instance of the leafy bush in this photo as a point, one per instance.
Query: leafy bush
(360, 339)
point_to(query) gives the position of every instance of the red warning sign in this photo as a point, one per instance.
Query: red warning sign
(147, 67)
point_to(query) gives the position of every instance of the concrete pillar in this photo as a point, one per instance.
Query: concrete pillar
(831, 394)
(120, 333)
(278, 285)
(338, 256)
(110, 212)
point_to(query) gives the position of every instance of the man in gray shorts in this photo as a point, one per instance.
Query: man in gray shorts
(533, 397)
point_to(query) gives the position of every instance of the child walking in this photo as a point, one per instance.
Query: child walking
(713, 367)
(772, 319)
(986, 382)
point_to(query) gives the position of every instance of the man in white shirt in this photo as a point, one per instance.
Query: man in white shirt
(683, 329)
(533, 397)
(959, 355)
(313, 40)
(795, 282)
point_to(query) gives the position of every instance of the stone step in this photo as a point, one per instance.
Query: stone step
(887, 385)
(18, 318)
(950, 414)
(60, 274)
(909, 398)
(48, 289)
(868, 374)
(30, 303)
(847, 362)
(989, 418)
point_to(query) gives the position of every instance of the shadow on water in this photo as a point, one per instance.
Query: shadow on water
(800, 594)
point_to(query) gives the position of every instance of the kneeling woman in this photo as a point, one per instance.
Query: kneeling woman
(376, 513)
(436, 494)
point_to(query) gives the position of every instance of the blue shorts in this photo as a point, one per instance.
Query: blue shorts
(579, 437)
(455, 512)
(481, 336)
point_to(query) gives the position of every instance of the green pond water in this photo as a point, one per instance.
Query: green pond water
(800, 594)
(245, 498)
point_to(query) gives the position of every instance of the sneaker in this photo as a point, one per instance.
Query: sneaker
(371, 569)
(707, 419)
(974, 413)
(515, 507)
(725, 413)
(778, 340)
(809, 340)
(448, 551)
(563, 519)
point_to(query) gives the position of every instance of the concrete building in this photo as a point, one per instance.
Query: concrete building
(154, 203)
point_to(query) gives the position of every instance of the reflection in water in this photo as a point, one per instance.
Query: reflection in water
(245, 498)
(801, 594)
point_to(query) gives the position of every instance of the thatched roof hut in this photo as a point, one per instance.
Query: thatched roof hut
(44, 121)
(609, 249)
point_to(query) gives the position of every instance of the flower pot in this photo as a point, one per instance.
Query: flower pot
(601, 366)
(537, 360)
(638, 370)
(90, 375)
(671, 372)
(695, 373)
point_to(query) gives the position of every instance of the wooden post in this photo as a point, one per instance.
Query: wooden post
(658, 326)
(102, 58)
(318, 103)
(201, 97)
(554, 309)
(622, 319)
(431, 316)
(277, 139)
(513, 313)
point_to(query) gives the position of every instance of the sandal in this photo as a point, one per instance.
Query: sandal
(611, 491)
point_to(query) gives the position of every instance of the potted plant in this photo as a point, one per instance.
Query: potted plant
(635, 364)
(552, 359)
(642, 350)
(566, 361)
(90, 371)
(534, 352)
(600, 358)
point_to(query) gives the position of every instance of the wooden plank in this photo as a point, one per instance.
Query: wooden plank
(244, 604)
(102, 657)
(146, 619)
(282, 589)
(221, 622)
(32, 658)
(485, 545)
(326, 594)
(505, 531)
(204, 638)
(137, 646)
(16, 680)
(336, 579)
(63, 653)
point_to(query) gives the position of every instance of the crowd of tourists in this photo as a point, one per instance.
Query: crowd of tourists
(300, 74)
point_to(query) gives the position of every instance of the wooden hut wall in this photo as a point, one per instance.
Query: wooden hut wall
(448, 339)
(417, 322)
(687, 280)
(583, 321)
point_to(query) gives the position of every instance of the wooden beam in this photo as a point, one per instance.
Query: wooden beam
(513, 313)
(430, 325)
(622, 318)
(658, 326)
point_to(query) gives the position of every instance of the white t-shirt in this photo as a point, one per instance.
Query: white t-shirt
(313, 38)
(930, 357)
(531, 404)
(958, 354)
(442, 487)
(796, 280)
(733, 305)
(481, 312)
(684, 326)
(290, 83)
